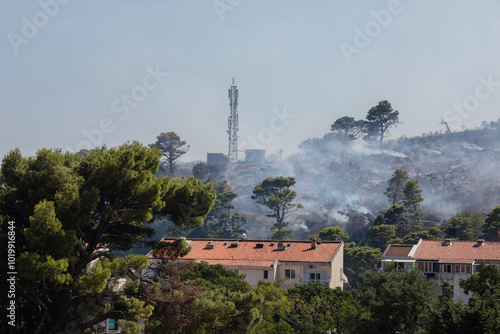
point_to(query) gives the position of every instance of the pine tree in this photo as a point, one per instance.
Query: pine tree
(396, 185)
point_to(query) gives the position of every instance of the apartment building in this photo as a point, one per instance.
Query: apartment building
(444, 260)
(297, 262)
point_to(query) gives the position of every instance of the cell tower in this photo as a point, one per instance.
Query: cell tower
(232, 123)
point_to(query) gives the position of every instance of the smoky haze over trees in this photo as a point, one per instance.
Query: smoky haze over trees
(349, 184)
(66, 205)
(276, 195)
(221, 222)
(342, 180)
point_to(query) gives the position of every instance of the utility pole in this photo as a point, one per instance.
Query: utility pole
(232, 124)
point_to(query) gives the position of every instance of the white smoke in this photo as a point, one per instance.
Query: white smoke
(472, 147)
(361, 149)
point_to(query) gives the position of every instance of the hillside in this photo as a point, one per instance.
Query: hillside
(344, 184)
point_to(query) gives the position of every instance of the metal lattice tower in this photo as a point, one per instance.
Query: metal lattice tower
(232, 123)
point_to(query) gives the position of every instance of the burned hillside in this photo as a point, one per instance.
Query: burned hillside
(343, 184)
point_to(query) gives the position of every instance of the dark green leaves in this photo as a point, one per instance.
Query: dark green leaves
(275, 193)
(187, 201)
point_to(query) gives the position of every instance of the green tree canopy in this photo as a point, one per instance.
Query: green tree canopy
(358, 260)
(228, 305)
(276, 305)
(395, 215)
(332, 233)
(316, 308)
(347, 128)
(483, 310)
(379, 119)
(187, 201)
(433, 233)
(465, 225)
(492, 225)
(70, 210)
(172, 147)
(200, 171)
(220, 222)
(204, 171)
(449, 317)
(379, 220)
(412, 196)
(169, 251)
(399, 301)
(396, 185)
(276, 195)
(381, 235)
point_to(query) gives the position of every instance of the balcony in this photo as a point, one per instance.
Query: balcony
(325, 282)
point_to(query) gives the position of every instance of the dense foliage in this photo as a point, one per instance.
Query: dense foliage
(72, 213)
(396, 301)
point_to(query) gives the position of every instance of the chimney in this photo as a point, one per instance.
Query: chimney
(480, 243)
(314, 243)
(210, 245)
(448, 242)
(281, 245)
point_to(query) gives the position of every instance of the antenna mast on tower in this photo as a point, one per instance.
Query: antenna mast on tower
(232, 124)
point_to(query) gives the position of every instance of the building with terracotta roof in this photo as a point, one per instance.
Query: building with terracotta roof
(298, 262)
(444, 260)
(399, 255)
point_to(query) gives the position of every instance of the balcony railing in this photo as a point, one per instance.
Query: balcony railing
(325, 282)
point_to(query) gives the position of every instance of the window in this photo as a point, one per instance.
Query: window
(112, 325)
(462, 268)
(400, 265)
(316, 277)
(290, 273)
(446, 268)
(266, 274)
(236, 271)
(420, 266)
(428, 267)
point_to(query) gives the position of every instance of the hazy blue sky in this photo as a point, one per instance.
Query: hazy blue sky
(70, 67)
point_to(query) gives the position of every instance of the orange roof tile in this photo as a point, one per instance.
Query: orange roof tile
(456, 261)
(299, 251)
(239, 263)
(398, 250)
(458, 250)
